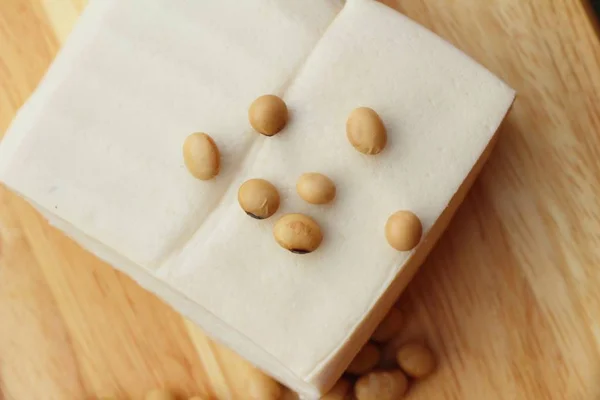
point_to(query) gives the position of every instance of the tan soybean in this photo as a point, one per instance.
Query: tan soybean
(201, 156)
(416, 360)
(381, 385)
(366, 359)
(298, 233)
(315, 188)
(258, 198)
(365, 131)
(403, 230)
(389, 327)
(268, 114)
(159, 394)
(340, 390)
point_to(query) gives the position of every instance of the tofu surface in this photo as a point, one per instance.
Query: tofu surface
(98, 150)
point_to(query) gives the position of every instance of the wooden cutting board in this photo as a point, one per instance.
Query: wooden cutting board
(509, 299)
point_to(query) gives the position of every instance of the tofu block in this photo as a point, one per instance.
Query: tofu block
(98, 150)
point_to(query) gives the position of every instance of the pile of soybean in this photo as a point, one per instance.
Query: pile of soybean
(365, 378)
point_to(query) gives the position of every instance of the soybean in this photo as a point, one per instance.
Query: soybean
(298, 233)
(365, 131)
(258, 198)
(268, 114)
(381, 385)
(315, 188)
(403, 230)
(416, 359)
(201, 156)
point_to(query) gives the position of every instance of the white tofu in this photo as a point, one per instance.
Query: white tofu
(98, 150)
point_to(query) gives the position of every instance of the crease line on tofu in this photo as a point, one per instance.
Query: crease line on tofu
(253, 149)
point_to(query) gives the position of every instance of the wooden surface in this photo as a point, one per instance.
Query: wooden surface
(510, 298)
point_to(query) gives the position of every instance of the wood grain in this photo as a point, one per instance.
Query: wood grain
(509, 299)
